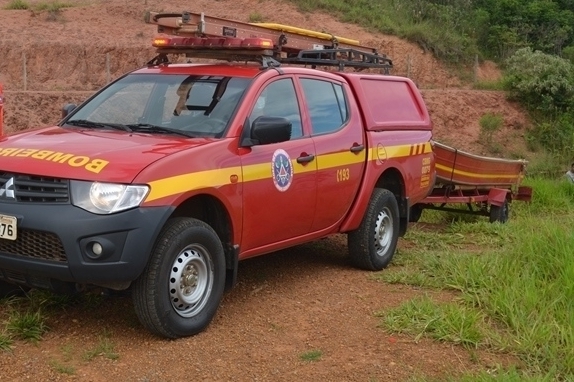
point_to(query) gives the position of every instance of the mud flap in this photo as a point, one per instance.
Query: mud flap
(231, 265)
(404, 213)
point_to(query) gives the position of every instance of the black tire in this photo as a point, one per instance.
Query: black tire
(499, 213)
(372, 245)
(181, 287)
(9, 290)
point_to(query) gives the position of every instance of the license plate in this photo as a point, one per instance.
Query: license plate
(8, 227)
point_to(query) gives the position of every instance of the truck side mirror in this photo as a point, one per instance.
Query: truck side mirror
(266, 130)
(67, 109)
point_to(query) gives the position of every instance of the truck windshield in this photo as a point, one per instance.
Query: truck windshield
(195, 106)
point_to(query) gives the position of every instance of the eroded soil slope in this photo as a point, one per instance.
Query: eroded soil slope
(67, 55)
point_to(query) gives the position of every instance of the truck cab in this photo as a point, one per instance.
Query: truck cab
(167, 177)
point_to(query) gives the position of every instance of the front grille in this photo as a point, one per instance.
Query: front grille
(35, 244)
(33, 189)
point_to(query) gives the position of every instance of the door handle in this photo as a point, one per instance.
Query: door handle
(357, 148)
(304, 158)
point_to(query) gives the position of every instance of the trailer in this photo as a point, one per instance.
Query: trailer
(486, 185)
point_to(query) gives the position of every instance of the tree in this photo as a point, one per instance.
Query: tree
(541, 81)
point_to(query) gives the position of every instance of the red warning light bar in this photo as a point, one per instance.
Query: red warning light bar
(183, 43)
(200, 36)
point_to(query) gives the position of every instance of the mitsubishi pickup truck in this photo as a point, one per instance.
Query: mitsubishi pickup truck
(167, 177)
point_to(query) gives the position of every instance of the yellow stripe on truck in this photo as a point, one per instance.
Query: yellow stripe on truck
(401, 151)
(339, 159)
(179, 184)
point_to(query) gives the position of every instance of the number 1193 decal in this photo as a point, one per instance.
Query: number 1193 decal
(343, 174)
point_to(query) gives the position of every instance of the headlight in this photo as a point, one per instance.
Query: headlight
(106, 198)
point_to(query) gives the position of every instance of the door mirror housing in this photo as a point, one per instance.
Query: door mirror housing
(266, 130)
(67, 109)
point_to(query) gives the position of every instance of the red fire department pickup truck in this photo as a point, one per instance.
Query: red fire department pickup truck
(167, 177)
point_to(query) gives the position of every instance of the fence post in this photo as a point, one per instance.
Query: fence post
(107, 68)
(24, 71)
(475, 75)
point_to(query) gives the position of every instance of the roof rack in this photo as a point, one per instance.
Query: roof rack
(201, 36)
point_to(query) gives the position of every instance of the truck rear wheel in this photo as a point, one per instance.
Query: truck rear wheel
(180, 289)
(373, 244)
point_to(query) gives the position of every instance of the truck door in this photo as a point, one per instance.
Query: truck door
(279, 179)
(337, 132)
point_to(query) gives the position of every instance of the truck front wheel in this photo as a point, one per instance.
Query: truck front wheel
(373, 244)
(180, 289)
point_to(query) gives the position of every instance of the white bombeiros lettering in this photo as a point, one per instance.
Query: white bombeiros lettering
(90, 164)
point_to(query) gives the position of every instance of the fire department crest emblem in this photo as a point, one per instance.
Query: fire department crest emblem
(282, 170)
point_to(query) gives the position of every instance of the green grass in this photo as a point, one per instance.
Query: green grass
(400, 18)
(17, 4)
(488, 85)
(445, 322)
(515, 282)
(5, 342)
(62, 368)
(489, 124)
(311, 356)
(52, 6)
(104, 348)
(49, 6)
(27, 325)
(255, 17)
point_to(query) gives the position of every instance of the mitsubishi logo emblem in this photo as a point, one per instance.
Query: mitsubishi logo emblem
(8, 189)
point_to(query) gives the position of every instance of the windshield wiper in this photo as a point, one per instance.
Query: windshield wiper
(101, 125)
(158, 129)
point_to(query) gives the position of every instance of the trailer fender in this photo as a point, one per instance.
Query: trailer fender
(497, 196)
(524, 194)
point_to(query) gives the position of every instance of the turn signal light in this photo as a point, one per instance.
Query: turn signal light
(160, 41)
(262, 43)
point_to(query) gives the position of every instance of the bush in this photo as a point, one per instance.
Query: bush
(568, 53)
(489, 124)
(555, 134)
(542, 82)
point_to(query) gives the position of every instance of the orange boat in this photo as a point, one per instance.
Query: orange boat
(455, 166)
(486, 185)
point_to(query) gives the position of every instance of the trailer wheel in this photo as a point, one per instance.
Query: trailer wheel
(499, 213)
(180, 289)
(373, 244)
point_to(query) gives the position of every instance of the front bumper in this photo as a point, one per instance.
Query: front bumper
(55, 244)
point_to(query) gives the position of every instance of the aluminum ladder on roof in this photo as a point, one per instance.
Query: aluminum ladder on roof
(291, 44)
